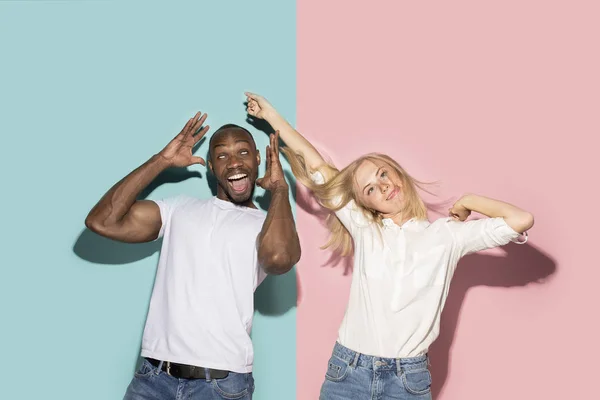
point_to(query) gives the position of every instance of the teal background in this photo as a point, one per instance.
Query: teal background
(89, 90)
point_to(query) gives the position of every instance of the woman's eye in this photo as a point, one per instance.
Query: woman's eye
(383, 174)
(369, 191)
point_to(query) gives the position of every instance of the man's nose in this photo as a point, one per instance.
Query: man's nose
(234, 162)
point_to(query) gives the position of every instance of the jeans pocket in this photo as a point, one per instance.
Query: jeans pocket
(234, 386)
(337, 369)
(145, 370)
(417, 381)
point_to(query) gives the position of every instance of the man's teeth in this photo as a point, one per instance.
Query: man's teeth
(236, 177)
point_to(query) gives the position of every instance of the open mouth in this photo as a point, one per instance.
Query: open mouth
(239, 182)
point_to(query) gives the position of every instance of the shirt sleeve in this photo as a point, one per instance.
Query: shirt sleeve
(261, 275)
(166, 207)
(476, 235)
(350, 215)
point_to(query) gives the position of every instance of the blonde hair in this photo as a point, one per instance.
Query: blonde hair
(340, 189)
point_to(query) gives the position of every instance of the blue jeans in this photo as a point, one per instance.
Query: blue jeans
(150, 383)
(351, 375)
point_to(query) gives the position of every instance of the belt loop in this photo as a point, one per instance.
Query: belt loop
(398, 367)
(207, 374)
(159, 368)
(354, 362)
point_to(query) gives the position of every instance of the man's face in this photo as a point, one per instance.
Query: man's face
(234, 161)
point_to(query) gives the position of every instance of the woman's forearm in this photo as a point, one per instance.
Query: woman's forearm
(517, 218)
(295, 141)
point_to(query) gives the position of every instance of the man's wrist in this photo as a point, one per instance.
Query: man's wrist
(280, 190)
(160, 161)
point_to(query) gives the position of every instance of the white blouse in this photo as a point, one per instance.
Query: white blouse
(401, 277)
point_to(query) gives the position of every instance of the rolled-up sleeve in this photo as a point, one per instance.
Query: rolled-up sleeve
(472, 236)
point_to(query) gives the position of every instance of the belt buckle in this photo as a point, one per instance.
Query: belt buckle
(169, 368)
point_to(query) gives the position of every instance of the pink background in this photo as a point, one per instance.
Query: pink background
(496, 98)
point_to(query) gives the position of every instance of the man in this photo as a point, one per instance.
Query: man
(215, 253)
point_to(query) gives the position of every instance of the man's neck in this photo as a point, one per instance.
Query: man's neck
(222, 195)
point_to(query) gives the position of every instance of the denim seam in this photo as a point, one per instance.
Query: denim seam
(411, 391)
(339, 378)
(229, 395)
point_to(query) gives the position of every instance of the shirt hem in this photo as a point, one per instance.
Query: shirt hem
(199, 363)
(395, 356)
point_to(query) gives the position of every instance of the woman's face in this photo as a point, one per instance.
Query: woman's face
(379, 187)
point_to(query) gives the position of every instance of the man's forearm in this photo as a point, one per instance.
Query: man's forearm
(279, 246)
(115, 204)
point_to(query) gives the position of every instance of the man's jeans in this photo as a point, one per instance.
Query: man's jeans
(150, 383)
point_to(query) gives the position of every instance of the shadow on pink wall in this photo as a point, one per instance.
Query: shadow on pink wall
(522, 265)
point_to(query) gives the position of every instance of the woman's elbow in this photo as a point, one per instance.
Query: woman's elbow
(522, 222)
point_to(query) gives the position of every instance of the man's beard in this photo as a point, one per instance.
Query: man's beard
(235, 197)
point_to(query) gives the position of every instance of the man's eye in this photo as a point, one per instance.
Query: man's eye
(220, 156)
(244, 152)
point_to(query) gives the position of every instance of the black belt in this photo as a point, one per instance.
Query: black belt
(188, 371)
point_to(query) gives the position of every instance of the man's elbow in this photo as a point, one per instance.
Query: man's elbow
(93, 224)
(99, 226)
(280, 263)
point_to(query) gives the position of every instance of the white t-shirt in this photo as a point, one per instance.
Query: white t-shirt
(203, 298)
(401, 277)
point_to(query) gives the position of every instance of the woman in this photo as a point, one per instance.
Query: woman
(403, 264)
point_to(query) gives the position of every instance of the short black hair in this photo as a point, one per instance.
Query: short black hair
(228, 127)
